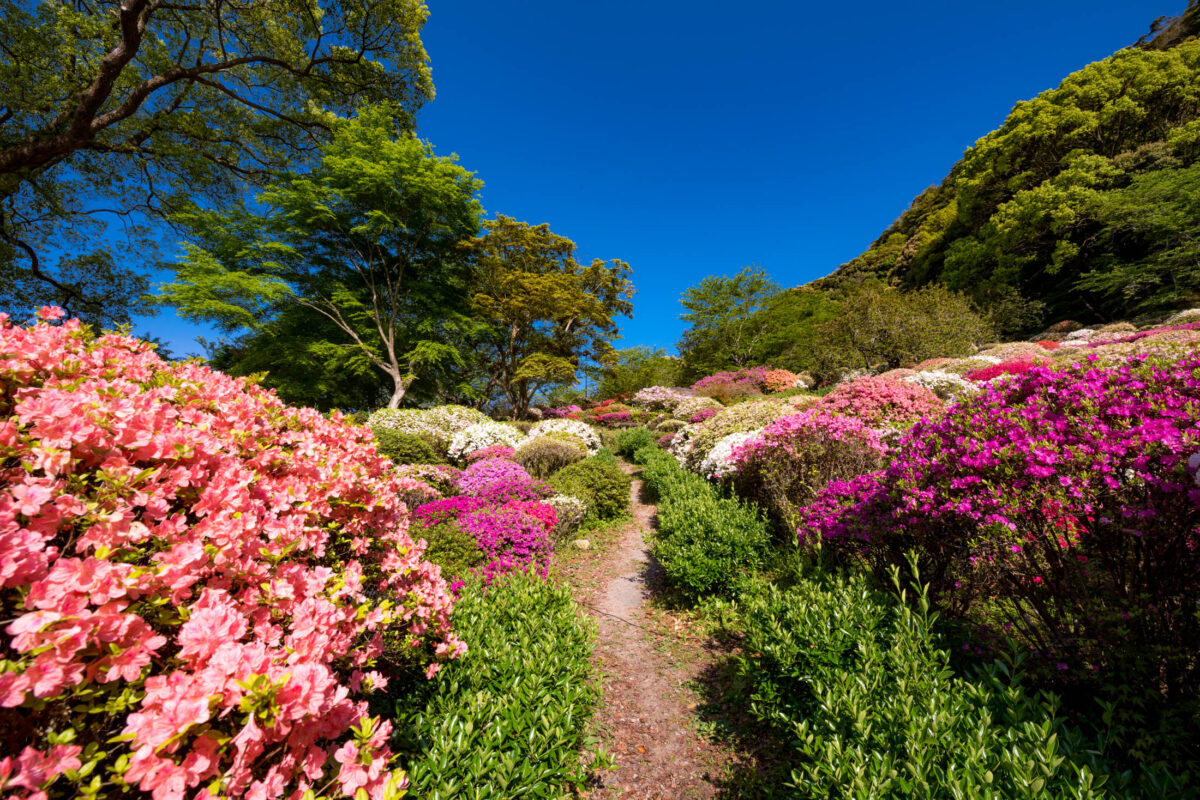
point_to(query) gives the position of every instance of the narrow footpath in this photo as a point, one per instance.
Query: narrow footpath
(646, 719)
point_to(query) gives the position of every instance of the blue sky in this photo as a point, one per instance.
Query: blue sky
(694, 138)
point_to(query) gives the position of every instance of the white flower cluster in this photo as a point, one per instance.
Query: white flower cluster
(945, 385)
(481, 435)
(572, 426)
(718, 464)
(659, 398)
(569, 510)
(683, 443)
(438, 424)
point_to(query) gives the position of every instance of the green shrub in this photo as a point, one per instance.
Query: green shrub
(862, 687)
(630, 441)
(705, 541)
(507, 719)
(670, 426)
(599, 482)
(546, 455)
(450, 547)
(406, 448)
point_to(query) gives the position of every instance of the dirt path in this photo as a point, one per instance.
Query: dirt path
(646, 718)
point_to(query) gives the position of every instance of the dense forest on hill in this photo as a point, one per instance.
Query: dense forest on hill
(1084, 204)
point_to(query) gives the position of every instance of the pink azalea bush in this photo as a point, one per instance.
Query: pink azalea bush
(200, 585)
(511, 538)
(1061, 508)
(495, 451)
(702, 415)
(498, 479)
(997, 370)
(883, 402)
(791, 459)
(729, 385)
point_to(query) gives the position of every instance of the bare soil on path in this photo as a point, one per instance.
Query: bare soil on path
(647, 717)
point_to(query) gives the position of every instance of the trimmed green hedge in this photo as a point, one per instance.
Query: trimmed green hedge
(507, 719)
(406, 448)
(599, 482)
(705, 541)
(631, 440)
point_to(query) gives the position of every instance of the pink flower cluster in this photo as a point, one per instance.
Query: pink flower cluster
(996, 370)
(197, 580)
(748, 380)
(498, 479)
(495, 451)
(1062, 502)
(883, 402)
(612, 418)
(702, 415)
(1133, 337)
(560, 413)
(511, 538)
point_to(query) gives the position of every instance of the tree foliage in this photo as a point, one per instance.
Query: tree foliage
(542, 314)
(359, 262)
(1064, 204)
(636, 368)
(880, 326)
(123, 110)
(722, 331)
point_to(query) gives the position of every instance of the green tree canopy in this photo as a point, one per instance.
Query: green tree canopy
(542, 314)
(369, 245)
(720, 312)
(125, 110)
(636, 368)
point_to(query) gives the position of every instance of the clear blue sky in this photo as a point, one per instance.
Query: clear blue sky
(694, 138)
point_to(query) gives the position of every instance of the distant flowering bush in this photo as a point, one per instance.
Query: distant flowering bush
(510, 538)
(693, 444)
(719, 463)
(483, 435)
(946, 385)
(789, 461)
(702, 415)
(1166, 333)
(882, 402)
(199, 584)
(693, 405)
(436, 425)
(728, 385)
(440, 476)
(498, 480)
(1017, 351)
(779, 380)
(585, 432)
(1048, 344)
(613, 418)
(495, 451)
(559, 413)
(1060, 506)
(998, 370)
(659, 398)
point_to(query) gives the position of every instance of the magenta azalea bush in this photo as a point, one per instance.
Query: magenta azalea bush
(883, 402)
(732, 384)
(790, 460)
(495, 451)
(997, 370)
(1060, 508)
(199, 585)
(702, 415)
(511, 538)
(498, 479)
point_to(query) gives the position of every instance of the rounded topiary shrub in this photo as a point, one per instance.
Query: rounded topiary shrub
(545, 455)
(200, 585)
(599, 482)
(405, 448)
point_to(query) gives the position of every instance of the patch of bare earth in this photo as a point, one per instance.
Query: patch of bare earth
(647, 718)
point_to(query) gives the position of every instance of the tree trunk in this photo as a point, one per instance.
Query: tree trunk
(402, 384)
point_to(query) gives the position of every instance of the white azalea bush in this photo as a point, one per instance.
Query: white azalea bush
(946, 385)
(689, 407)
(569, 512)
(719, 463)
(436, 425)
(659, 398)
(481, 435)
(585, 432)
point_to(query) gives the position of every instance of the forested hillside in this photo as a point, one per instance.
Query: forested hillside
(1084, 204)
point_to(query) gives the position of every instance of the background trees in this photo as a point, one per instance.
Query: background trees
(542, 315)
(367, 247)
(636, 368)
(722, 330)
(126, 110)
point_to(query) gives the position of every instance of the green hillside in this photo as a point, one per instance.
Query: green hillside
(1084, 204)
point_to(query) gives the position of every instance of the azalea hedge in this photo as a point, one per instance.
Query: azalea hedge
(201, 586)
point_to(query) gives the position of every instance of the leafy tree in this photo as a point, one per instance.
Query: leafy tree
(636, 368)
(368, 245)
(879, 326)
(1035, 206)
(788, 325)
(543, 315)
(123, 110)
(720, 311)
